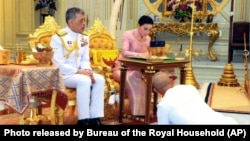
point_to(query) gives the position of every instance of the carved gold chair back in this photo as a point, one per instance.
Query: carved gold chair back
(43, 33)
(102, 45)
(103, 53)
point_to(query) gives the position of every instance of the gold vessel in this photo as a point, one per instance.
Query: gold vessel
(228, 78)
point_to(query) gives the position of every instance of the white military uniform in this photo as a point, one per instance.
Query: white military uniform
(183, 104)
(71, 52)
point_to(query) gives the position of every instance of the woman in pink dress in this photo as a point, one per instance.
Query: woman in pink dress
(135, 43)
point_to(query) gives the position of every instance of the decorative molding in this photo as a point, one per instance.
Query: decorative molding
(225, 15)
(1, 23)
(9, 22)
(156, 7)
(24, 16)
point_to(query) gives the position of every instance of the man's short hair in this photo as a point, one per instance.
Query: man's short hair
(160, 80)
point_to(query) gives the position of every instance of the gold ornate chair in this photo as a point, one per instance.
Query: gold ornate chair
(103, 53)
(43, 35)
(102, 50)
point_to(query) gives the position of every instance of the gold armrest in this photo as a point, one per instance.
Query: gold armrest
(97, 69)
(107, 68)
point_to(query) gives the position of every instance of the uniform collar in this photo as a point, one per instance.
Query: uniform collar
(71, 32)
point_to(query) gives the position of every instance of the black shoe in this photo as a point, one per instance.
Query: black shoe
(83, 122)
(139, 116)
(95, 121)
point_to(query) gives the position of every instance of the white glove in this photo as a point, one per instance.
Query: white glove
(117, 98)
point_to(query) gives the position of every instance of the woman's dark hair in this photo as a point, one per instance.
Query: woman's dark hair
(71, 13)
(145, 20)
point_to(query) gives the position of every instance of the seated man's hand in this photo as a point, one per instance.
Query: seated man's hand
(88, 73)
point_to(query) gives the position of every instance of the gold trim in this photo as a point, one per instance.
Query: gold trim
(184, 28)
(165, 11)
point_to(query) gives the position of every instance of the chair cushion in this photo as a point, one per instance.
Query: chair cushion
(104, 57)
(101, 43)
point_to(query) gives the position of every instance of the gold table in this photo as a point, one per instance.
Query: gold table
(149, 69)
(185, 28)
(20, 82)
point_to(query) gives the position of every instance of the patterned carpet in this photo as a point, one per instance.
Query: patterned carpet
(226, 99)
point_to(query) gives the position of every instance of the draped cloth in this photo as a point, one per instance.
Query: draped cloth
(135, 88)
(18, 83)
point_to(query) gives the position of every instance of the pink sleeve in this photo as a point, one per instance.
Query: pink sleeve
(127, 45)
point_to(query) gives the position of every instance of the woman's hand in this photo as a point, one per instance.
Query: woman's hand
(144, 54)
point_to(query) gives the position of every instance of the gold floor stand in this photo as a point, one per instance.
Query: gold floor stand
(190, 78)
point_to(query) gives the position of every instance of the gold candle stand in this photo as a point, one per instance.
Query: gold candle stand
(189, 77)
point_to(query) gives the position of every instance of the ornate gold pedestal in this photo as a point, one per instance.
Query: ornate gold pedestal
(190, 78)
(228, 77)
(184, 28)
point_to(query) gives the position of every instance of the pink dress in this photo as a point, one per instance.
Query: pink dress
(135, 87)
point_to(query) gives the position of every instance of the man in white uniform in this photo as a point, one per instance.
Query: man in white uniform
(71, 55)
(182, 104)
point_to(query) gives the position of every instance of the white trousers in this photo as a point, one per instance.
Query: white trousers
(90, 97)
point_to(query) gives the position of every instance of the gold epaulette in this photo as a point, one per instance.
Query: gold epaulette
(85, 33)
(61, 32)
